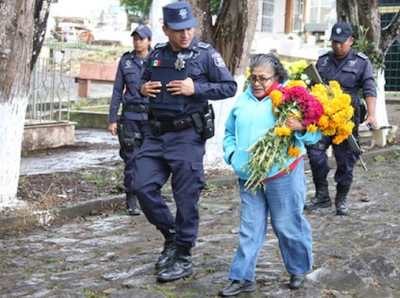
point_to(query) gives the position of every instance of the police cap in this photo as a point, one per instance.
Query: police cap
(341, 32)
(143, 31)
(178, 16)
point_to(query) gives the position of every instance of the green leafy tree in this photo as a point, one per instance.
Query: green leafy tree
(136, 9)
(214, 6)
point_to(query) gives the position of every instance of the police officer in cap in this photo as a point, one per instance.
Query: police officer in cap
(353, 71)
(174, 143)
(133, 120)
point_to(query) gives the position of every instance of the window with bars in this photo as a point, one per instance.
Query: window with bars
(388, 2)
(297, 21)
(267, 20)
(392, 59)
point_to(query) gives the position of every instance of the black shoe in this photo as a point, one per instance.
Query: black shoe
(133, 211)
(166, 255)
(131, 204)
(236, 287)
(297, 281)
(317, 202)
(180, 267)
(341, 208)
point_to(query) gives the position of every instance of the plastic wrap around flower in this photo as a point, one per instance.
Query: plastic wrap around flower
(278, 144)
(338, 112)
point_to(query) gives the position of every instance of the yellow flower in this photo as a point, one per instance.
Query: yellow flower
(338, 112)
(294, 151)
(295, 70)
(248, 71)
(282, 131)
(296, 83)
(312, 128)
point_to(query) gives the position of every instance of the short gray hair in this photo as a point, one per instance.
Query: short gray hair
(270, 60)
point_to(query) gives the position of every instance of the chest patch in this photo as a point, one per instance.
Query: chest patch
(128, 64)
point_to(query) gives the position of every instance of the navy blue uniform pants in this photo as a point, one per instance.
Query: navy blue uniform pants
(128, 155)
(179, 155)
(345, 161)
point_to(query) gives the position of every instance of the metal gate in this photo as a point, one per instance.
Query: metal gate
(50, 89)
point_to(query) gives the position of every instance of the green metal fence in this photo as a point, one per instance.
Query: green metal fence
(388, 9)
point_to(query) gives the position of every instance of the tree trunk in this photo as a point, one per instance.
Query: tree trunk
(42, 10)
(389, 34)
(16, 41)
(232, 36)
(233, 32)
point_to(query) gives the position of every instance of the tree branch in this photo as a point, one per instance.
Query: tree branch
(390, 33)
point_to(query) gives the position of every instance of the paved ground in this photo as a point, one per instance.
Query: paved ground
(113, 255)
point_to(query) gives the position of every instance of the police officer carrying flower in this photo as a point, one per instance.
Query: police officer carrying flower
(180, 77)
(131, 125)
(353, 71)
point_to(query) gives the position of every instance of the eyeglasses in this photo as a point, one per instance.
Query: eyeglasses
(261, 80)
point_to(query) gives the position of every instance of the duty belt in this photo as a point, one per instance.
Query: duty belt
(136, 108)
(161, 127)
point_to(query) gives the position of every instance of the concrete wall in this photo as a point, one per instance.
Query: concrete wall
(48, 135)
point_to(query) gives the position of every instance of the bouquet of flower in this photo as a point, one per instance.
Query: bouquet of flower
(296, 71)
(278, 144)
(338, 112)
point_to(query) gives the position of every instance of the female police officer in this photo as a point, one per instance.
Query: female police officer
(180, 77)
(134, 112)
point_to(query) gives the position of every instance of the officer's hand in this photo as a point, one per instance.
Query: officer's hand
(371, 122)
(185, 87)
(112, 127)
(151, 89)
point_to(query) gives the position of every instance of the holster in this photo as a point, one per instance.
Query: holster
(128, 140)
(204, 123)
(321, 145)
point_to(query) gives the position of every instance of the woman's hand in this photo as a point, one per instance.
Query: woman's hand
(294, 124)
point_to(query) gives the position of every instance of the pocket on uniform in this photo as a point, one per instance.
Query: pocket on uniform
(197, 166)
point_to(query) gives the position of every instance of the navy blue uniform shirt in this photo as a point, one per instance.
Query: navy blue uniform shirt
(212, 79)
(130, 70)
(354, 72)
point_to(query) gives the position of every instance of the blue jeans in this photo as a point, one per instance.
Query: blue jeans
(284, 199)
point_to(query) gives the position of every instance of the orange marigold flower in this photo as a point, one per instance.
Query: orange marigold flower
(276, 97)
(294, 151)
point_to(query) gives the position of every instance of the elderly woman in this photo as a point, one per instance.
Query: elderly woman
(283, 192)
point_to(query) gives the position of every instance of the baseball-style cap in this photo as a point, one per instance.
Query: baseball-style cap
(178, 16)
(341, 32)
(143, 31)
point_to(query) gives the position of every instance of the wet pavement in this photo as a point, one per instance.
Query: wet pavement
(113, 255)
(64, 160)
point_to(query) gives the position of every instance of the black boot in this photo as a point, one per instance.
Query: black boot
(169, 250)
(321, 198)
(340, 200)
(131, 204)
(180, 267)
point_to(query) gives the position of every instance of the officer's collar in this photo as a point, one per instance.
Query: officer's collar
(193, 47)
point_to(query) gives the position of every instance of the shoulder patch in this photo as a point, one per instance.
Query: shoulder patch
(160, 45)
(362, 55)
(218, 61)
(204, 45)
(323, 53)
